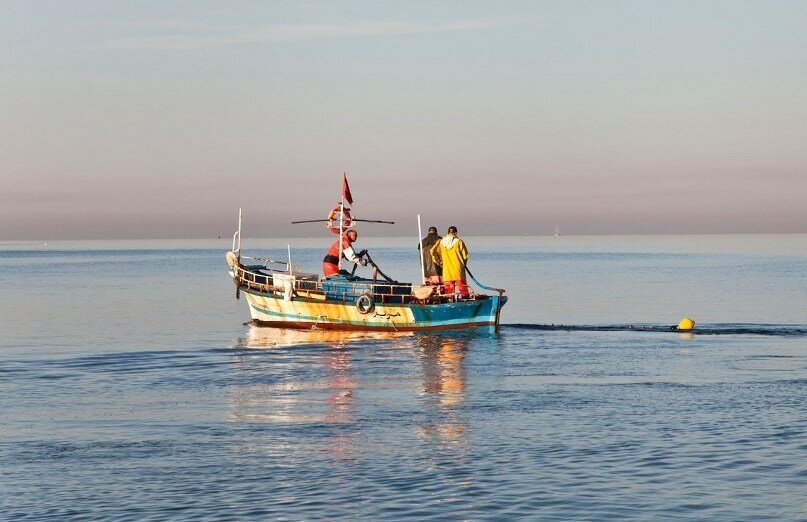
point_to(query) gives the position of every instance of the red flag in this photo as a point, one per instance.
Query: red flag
(346, 190)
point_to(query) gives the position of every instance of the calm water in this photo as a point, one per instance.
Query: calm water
(130, 389)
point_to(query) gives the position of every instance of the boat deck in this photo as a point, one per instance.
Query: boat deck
(338, 288)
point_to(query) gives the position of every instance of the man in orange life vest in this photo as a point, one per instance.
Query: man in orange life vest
(330, 265)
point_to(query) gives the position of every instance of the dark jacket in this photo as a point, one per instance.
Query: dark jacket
(425, 247)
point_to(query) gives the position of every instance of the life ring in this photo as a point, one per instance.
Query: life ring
(365, 304)
(333, 219)
(232, 259)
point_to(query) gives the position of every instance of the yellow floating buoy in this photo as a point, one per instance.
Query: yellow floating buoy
(686, 324)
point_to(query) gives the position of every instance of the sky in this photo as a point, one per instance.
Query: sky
(160, 119)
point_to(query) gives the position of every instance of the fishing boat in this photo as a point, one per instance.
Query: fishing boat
(280, 294)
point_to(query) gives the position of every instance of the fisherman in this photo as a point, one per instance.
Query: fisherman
(432, 271)
(451, 254)
(330, 265)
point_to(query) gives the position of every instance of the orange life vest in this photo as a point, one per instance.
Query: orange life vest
(330, 265)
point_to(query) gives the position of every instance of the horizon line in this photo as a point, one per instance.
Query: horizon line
(11, 242)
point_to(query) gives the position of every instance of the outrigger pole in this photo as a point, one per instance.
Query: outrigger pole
(360, 220)
(342, 224)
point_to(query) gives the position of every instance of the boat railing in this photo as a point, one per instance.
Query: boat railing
(312, 287)
(267, 263)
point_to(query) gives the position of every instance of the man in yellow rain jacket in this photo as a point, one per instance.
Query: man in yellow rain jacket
(451, 254)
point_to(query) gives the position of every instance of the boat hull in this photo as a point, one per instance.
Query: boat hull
(272, 310)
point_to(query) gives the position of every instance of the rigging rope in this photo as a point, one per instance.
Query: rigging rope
(480, 285)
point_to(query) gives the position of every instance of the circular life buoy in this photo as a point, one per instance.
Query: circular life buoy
(365, 304)
(337, 213)
(231, 258)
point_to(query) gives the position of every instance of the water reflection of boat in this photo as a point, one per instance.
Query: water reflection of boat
(443, 373)
(442, 361)
(266, 391)
(258, 337)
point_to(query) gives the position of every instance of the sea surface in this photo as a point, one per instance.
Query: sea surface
(132, 389)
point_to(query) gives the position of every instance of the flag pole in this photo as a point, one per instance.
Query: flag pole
(341, 225)
(341, 220)
(420, 244)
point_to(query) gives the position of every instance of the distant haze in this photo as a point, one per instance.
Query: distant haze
(161, 119)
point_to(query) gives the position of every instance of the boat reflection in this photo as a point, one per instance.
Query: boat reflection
(264, 337)
(340, 405)
(444, 381)
(308, 383)
(305, 379)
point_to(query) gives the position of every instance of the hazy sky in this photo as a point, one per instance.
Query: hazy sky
(160, 118)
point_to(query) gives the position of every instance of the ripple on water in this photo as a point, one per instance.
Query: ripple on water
(418, 427)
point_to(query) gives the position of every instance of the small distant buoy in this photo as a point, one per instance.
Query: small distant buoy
(686, 324)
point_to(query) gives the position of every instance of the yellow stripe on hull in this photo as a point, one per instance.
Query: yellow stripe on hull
(270, 309)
